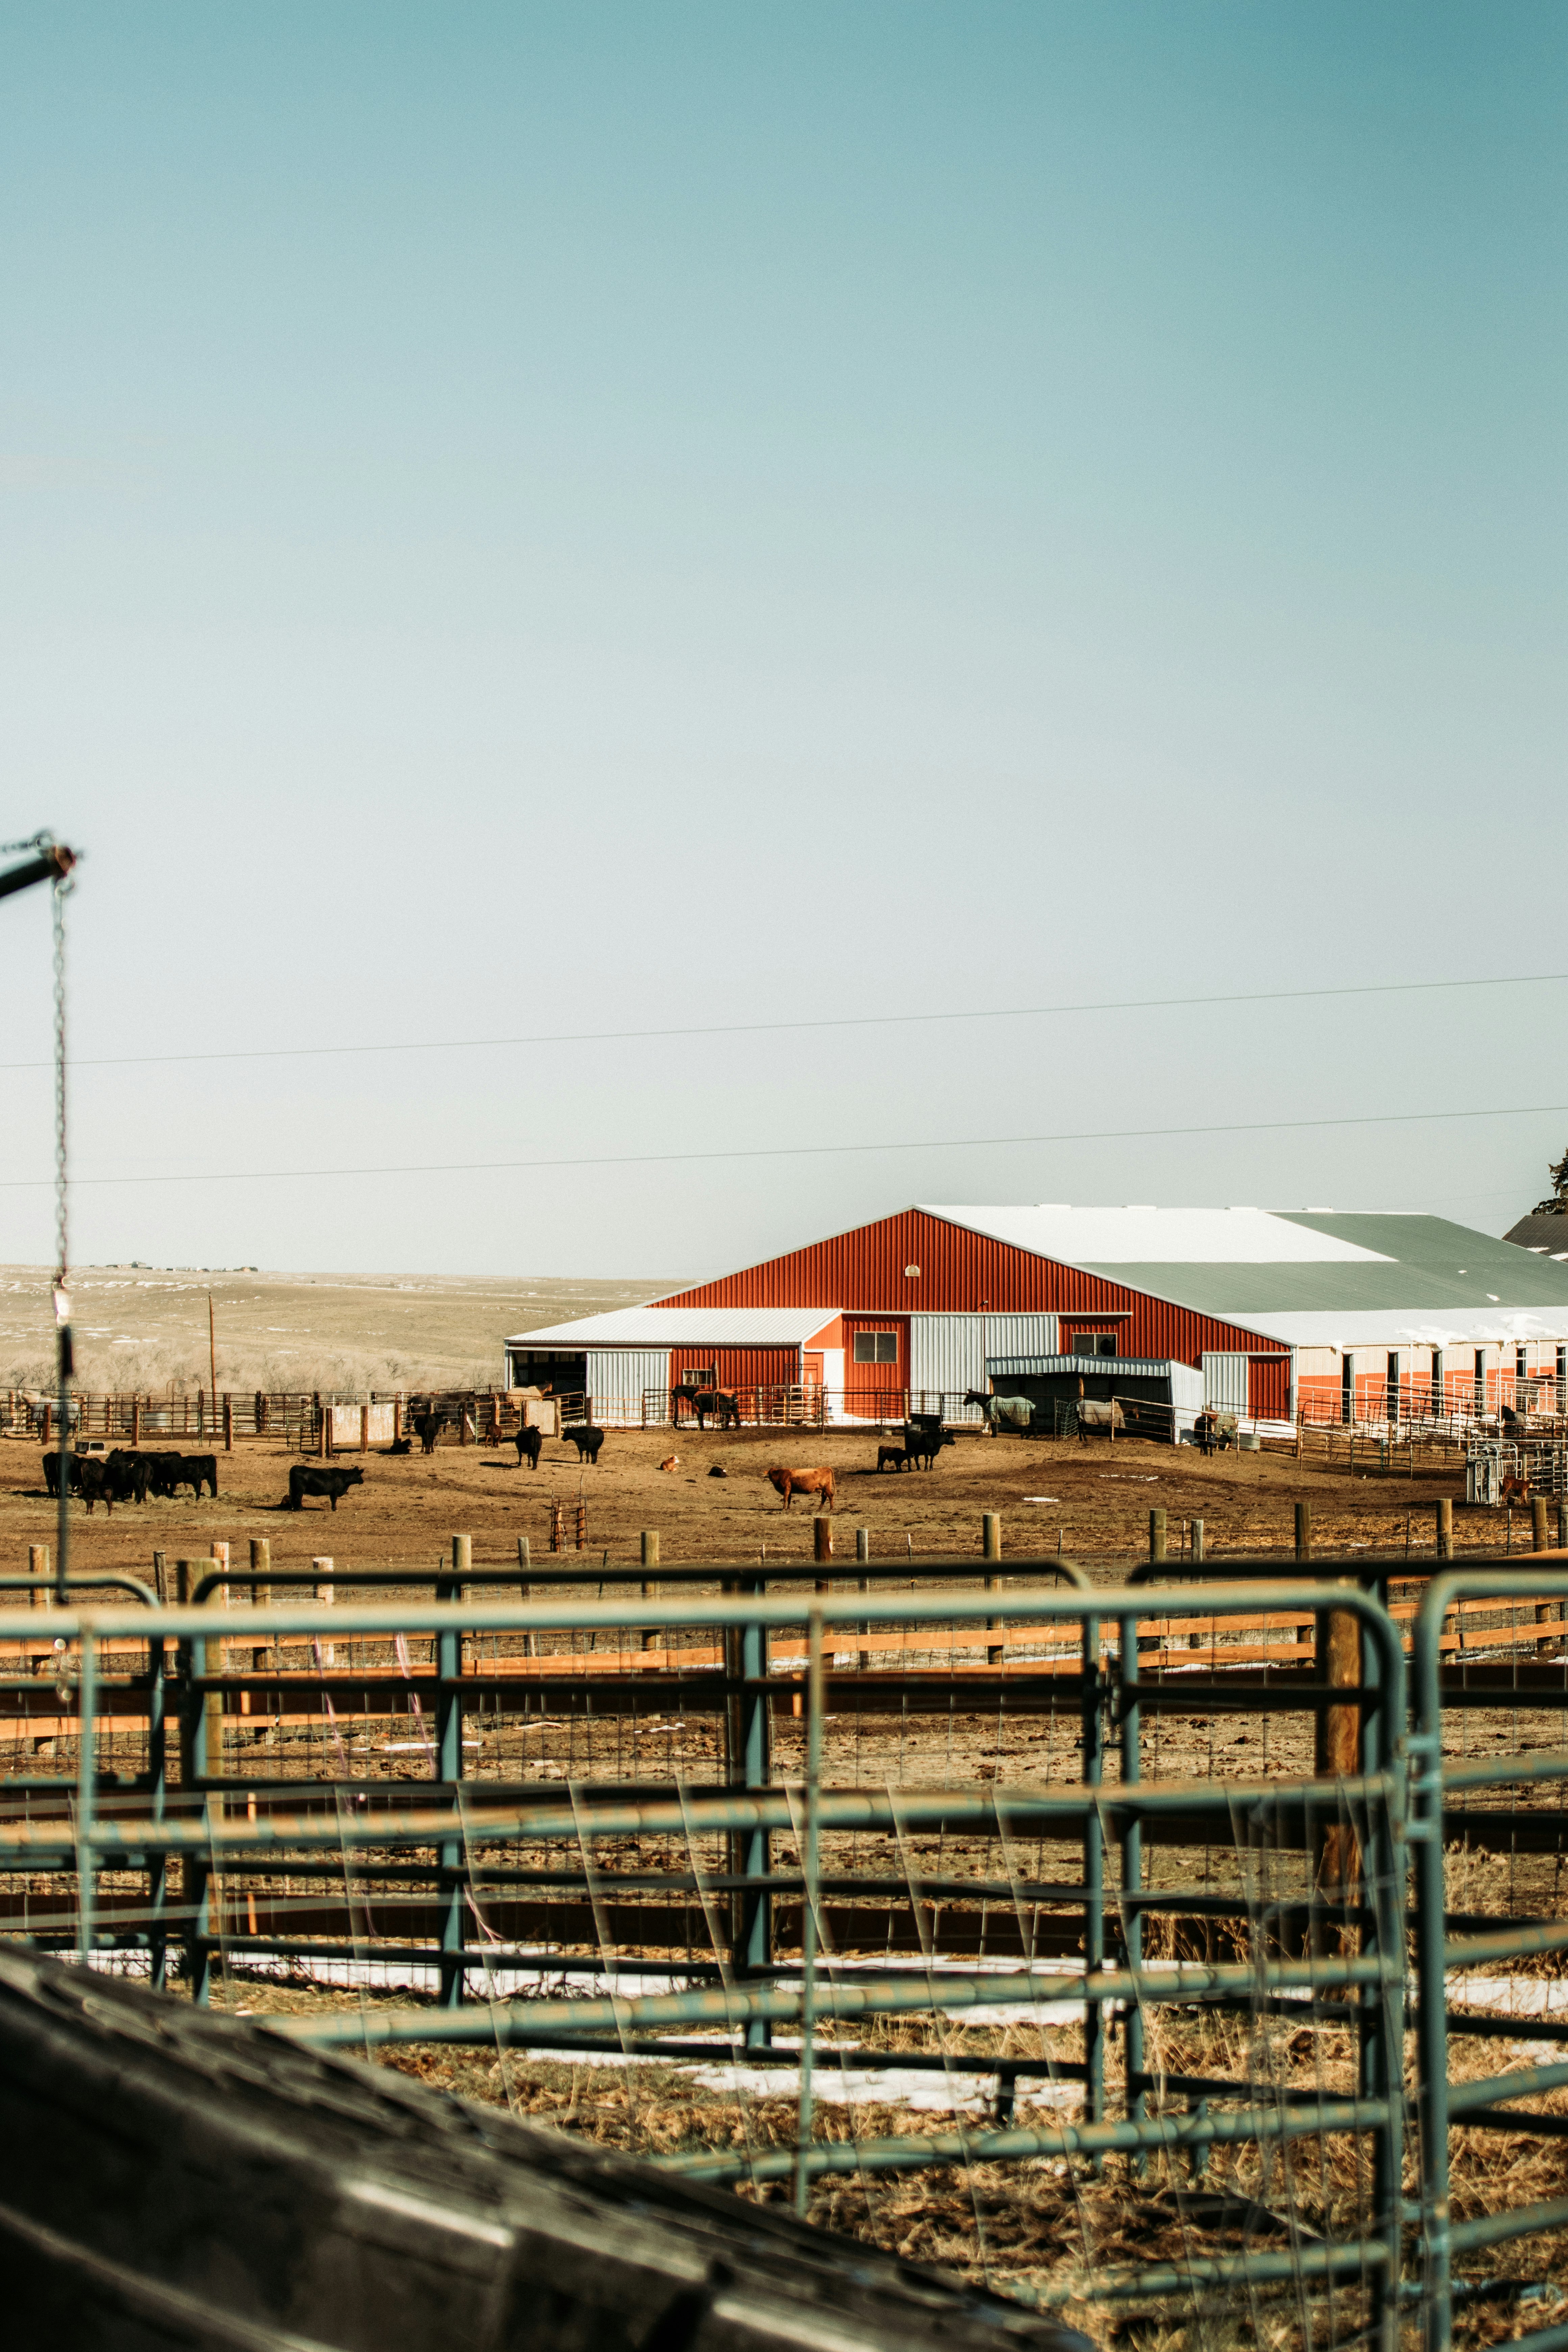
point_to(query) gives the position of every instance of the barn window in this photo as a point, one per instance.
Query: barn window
(876, 1347)
(1095, 1343)
(699, 1376)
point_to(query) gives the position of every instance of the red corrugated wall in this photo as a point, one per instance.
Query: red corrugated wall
(864, 1271)
(740, 1368)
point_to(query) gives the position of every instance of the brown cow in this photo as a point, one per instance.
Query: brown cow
(791, 1483)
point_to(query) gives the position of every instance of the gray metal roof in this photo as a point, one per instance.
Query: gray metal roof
(683, 1327)
(1307, 1276)
(1548, 1233)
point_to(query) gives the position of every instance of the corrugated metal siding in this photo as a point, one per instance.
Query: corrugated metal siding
(1225, 1384)
(754, 1368)
(1106, 1366)
(617, 1377)
(864, 1270)
(1268, 1388)
(1186, 1392)
(945, 1350)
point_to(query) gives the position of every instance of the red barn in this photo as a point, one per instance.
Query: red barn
(1248, 1309)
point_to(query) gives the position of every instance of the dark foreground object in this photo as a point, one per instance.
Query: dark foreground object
(168, 2177)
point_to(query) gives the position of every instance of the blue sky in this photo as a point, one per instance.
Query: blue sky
(524, 519)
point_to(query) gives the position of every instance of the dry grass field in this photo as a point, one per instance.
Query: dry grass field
(145, 1326)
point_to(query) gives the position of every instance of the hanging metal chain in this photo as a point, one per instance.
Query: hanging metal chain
(62, 1253)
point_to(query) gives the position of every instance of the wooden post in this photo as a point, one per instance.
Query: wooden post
(862, 1544)
(822, 1537)
(525, 1562)
(464, 1426)
(324, 1437)
(227, 1423)
(364, 1429)
(326, 1596)
(1338, 1745)
(990, 1548)
(39, 1570)
(397, 1417)
(135, 1421)
(1196, 1533)
(649, 1554)
(1444, 1510)
(159, 1564)
(1546, 1613)
(260, 1570)
(1303, 1531)
(1156, 1535)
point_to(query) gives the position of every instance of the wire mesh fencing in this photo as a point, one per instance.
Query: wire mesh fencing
(1057, 1935)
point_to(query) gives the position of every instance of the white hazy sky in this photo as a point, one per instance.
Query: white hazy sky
(517, 518)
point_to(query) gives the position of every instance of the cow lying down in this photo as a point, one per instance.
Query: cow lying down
(306, 1478)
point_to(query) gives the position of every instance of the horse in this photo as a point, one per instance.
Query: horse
(1016, 1414)
(1104, 1417)
(723, 1404)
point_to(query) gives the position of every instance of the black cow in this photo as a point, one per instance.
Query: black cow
(587, 1440)
(167, 1472)
(530, 1445)
(52, 1474)
(923, 1444)
(308, 1478)
(126, 1476)
(892, 1457)
(400, 1445)
(428, 1427)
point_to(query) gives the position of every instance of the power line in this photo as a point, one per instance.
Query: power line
(844, 1021)
(794, 1150)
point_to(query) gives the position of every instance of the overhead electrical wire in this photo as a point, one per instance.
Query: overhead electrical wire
(840, 1020)
(792, 1150)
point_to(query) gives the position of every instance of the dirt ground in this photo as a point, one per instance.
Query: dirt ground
(1091, 1503)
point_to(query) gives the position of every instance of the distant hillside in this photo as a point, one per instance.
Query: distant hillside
(146, 1327)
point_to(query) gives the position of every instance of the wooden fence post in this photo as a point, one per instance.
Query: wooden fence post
(260, 1567)
(39, 1570)
(822, 1537)
(1195, 1536)
(1545, 1612)
(1445, 1517)
(650, 1552)
(1338, 1744)
(326, 1594)
(135, 1421)
(227, 1423)
(1303, 1531)
(990, 1548)
(1156, 1535)
(364, 1429)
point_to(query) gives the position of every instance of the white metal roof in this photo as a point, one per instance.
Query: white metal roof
(684, 1326)
(1353, 1327)
(1144, 1236)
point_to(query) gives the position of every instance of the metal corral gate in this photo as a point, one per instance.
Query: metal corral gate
(1274, 1900)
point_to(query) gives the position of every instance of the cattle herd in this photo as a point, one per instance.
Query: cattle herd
(129, 1476)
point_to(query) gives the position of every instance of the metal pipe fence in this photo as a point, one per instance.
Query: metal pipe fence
(1071, 1860)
